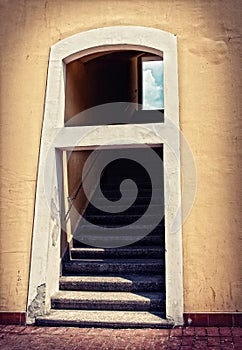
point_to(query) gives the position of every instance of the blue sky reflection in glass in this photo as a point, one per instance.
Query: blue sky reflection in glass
(153, 85)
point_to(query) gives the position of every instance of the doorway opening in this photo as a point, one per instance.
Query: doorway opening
(113, 256)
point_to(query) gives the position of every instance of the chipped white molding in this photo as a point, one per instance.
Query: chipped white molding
(45, 259)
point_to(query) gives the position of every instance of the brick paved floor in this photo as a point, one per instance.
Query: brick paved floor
(48, 338)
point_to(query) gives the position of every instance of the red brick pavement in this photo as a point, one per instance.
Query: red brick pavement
(53, 338)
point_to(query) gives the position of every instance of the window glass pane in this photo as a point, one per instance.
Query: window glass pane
(153, 84)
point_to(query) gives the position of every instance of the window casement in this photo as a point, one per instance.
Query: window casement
(151, 82)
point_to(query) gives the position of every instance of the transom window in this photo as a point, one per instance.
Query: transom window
(152, 83)
(132, 77)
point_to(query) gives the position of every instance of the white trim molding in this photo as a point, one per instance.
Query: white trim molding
(45, 258)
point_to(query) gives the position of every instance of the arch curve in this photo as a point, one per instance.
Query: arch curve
(74, 46)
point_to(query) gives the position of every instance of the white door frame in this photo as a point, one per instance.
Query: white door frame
(45, 258)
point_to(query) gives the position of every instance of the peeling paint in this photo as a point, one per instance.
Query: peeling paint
(54, 233)
(213, 293)
(55, 216)
(37, 306)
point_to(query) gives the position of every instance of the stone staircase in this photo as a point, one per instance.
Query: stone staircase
(114, 287)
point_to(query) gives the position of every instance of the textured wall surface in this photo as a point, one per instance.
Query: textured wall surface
(209, 91)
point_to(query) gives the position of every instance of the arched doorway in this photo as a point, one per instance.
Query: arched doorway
(60, 135)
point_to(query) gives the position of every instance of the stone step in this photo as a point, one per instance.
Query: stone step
(134, 230)
(126, 283)
(141, 200)
(114, 184)
(105, 319)
(150, 252)
(133, 210)
(113, 220)
(109, 266)
(93, 241)
(86, 300)
(127, 193)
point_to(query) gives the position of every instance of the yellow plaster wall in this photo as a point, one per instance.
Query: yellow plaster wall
(208, 33)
